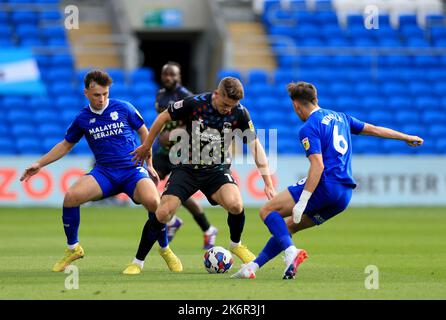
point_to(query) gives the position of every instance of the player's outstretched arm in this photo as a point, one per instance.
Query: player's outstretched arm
(382, 132)
(57, 152)
(261, 161)
(144, 151)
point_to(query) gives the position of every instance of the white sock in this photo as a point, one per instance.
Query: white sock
(138, 262)
(210, 230)
(290, 253)
(163, 248)
(72, 246)
(253, 266)
(234, 244)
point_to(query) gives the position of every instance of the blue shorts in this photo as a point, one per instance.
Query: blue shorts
(114, 181)
(327, 200)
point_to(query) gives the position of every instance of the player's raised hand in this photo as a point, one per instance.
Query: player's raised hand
(140, 155)
(414, 141)
(30, 171)
(270, 192)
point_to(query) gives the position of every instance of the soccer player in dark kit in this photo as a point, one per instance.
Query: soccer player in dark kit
(210, 118)
(173, 91)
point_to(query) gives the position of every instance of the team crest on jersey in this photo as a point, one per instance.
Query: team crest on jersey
(114, 115)
(251, 125)
(178, 104)
(306, 143)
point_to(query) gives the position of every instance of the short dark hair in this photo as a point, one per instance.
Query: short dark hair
(232, 88)
(100, 77)
(303, 92)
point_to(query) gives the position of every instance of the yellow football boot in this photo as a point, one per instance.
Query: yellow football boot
(132, 268)
(70, 256)
(171, 259)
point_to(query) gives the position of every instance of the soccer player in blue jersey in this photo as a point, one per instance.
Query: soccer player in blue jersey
(172, 91)
(326, 138)
(108, 125)
(211, 118)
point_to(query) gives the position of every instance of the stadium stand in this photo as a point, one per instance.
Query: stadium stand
(379, 75)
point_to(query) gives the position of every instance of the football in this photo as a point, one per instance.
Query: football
(218, 260)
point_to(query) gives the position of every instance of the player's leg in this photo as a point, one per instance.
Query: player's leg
(143, 191)
(272, 214)
(162, 165)
(229, 197)
(210, 232)
(85, 189)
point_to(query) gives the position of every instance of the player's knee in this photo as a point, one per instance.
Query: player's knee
(151, 202)
(163, 214)
(235, 207)
(71, 199)
(265, 210)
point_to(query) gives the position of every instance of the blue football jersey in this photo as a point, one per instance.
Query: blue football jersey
(329, 133)
(109, 133)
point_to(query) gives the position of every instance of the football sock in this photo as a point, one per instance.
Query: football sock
(236, 223)
(71, 219)
(162, 240)
(278, 229)
(202, 221)
(269, 252)
(150, 234)
(138, 262)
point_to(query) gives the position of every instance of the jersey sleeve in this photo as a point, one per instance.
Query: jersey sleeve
(74, 132)
(184, 93)
(356, 126)
(246, 125)
(310, 139)
(135, 119)
(180, 110)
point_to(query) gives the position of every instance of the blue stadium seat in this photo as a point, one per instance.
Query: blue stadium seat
(49, 143)
(258, 76)
(39, 103)
(32, 42)
(55, 75)
(116, 74)
(47, 116)
(425, 103)
(395, 147)
(51, 130)
(437, 32)
(53, 32)
(433, 116)
(143, 88)
(23, 130)
(19, 16)
(367, 145)
(436, 75)
(67, 117)
(14, 102)
(20, 115)
(50, 15)
(366, 88)
(394, 88)
(441, 145)
(407, 116)
(7, 146)
(355, 20)
(27, 31)
(142, 74)
(407, 20)
(119, 90)
(380, 118)
(228, 73)
(418, 89)
(28, 146)
(67, 102)
(438, 130)
(426, 61)
(64, 61)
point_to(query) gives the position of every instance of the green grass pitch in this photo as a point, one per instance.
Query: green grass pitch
(406, 244)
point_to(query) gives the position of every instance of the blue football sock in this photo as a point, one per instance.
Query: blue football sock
(71, 219)
(269, 252)
(162, 240)
(278, 229)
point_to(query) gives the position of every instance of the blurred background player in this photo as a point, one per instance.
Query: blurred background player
(173, 91)
(208, 117)
(108, 126)
(326, 138)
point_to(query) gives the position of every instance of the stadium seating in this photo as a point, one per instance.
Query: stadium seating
(404, 91)
(399, 88)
